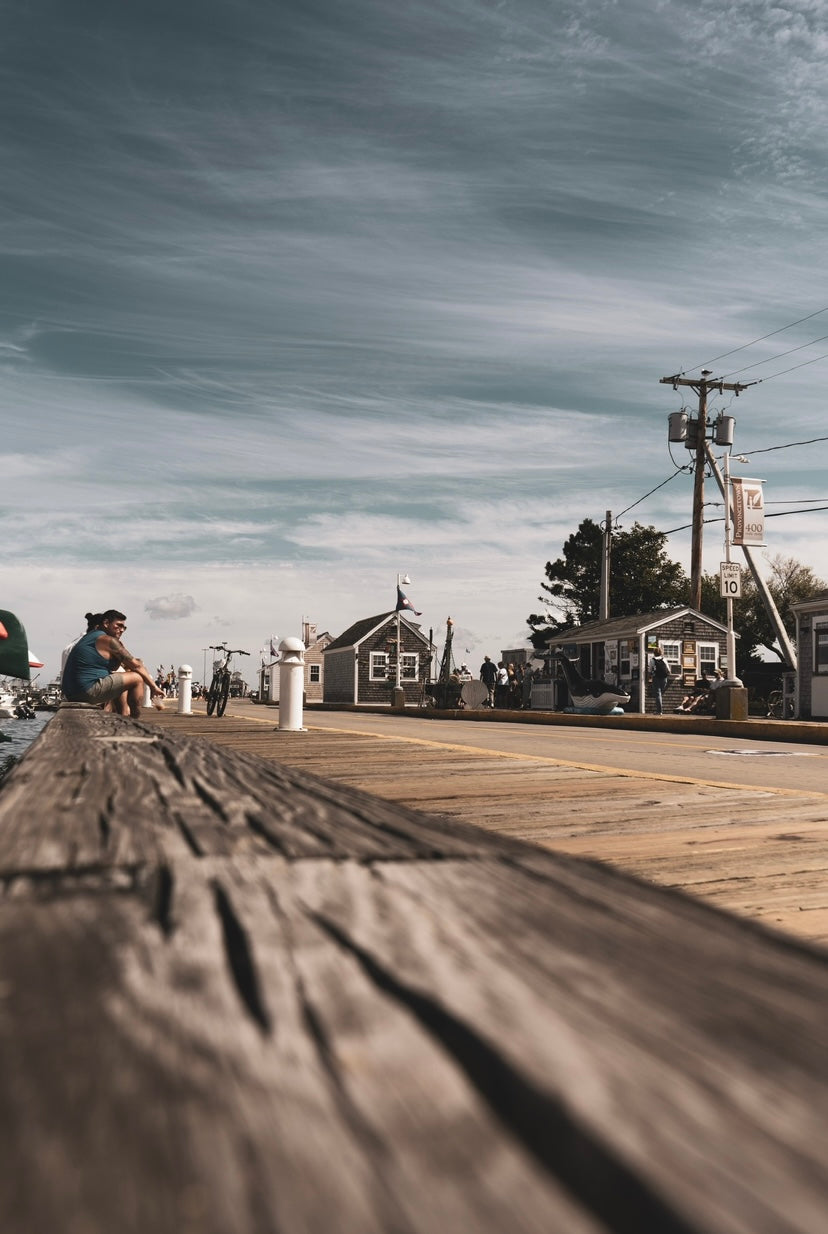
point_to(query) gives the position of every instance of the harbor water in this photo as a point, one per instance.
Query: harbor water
(22, 734)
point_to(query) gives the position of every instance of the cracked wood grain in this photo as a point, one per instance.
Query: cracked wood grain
(236, 998)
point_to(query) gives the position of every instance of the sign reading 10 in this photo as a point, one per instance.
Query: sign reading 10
(730, 578)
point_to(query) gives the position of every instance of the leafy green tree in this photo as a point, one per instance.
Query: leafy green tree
(642, 578)
(788, 580)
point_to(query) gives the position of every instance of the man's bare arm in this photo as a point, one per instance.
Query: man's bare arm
(118, 652)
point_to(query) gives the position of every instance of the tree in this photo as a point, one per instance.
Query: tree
(642, 578)
(789, 582)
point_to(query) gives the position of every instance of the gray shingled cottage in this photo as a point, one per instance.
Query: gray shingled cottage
(361, 664)
(615, 649)
(812, 658)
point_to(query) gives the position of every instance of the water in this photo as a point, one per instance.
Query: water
(22, 733)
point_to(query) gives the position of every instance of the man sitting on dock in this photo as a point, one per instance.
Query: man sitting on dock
(90, 674)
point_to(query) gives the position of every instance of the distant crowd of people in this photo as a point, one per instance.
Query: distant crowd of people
(508, 686)
(167, 681)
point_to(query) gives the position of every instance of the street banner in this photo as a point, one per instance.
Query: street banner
(748, 511)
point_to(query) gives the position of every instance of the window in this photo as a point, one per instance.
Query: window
(315, 672)
(672, 654)
(708, 654)
(624, 657)
(409, 663)
(820, 646)
(379, 666)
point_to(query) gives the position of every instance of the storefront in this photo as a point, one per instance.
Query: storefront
(811, 699)
(617, 650)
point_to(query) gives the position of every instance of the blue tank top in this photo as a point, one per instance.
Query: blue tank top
(84, 665)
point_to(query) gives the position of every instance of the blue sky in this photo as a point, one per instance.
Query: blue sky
(302, 295)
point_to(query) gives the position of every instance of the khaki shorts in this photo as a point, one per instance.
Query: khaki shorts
(104, 689)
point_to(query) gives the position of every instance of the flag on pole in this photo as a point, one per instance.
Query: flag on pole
(14, 648)
(403, 602)
(273, 650)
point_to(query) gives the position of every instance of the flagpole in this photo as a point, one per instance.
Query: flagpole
(401, 578)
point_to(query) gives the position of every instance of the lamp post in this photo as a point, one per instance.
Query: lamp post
(401, 578)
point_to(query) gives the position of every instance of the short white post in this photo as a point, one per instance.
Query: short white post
(291, 684)
(147, 696)
(185, 690)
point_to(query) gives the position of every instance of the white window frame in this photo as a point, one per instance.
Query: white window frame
(703, 659)
(671, 650)
(315, 673)
(378, 666)
(409, 666)
(820, 632)
(624, 665)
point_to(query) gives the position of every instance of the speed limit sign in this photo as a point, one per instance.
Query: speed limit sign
(730, 577)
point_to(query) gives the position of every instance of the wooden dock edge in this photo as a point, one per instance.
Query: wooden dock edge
(234, 997)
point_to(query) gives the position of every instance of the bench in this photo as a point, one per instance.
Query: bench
(234, 997)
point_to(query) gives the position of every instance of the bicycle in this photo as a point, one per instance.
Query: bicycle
(780, 707)
(219, 691)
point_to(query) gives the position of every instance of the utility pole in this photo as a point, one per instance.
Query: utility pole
(761, 586)
(606, 551)
(701, 385)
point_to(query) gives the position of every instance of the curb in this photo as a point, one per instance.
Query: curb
(807, 732)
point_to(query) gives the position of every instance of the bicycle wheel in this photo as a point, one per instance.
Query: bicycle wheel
(224, 694)
(213, 694)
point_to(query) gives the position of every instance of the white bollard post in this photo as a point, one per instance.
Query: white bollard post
(291, 684)
(185, 690)
(147, 697)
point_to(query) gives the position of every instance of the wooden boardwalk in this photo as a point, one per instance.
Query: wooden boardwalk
(236, 998)
(754, 852)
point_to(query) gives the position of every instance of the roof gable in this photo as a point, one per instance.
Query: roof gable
(360, 630)
(624, 627)
(815, 603)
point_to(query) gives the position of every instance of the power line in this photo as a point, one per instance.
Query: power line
(786, 446)
(804, 364)
(646, 495)
(744, 347)
(779, 356)
(778, 514)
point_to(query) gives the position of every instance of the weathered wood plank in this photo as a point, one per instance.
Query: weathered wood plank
(102, 791)
(262, 1003)
(727, 844)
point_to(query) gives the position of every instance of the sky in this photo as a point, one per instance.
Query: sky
(302, 296)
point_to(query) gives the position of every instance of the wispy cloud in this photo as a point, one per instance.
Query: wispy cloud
(291, 295)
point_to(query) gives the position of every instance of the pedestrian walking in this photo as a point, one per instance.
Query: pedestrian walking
(659, 679)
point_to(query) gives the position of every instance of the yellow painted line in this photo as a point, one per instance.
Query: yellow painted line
(626, 772)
